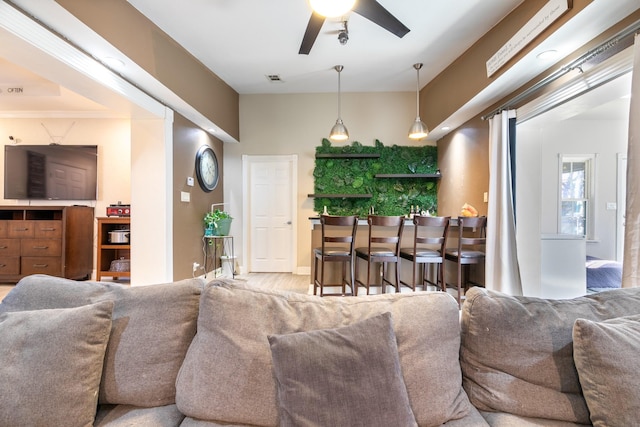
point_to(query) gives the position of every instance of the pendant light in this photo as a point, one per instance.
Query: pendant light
(332, 8)
(418, 129)
(339, 131)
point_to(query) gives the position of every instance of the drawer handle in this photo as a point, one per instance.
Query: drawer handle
(40, 265)
(48, 229)
(3, 265)
(4, 247)
(22, 229)
(41, 247)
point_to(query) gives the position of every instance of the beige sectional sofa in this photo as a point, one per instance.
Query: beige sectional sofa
(196, 354)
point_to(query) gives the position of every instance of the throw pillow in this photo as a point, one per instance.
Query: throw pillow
(345, 376)
(50, 365)
(606, 355)
(229, 361)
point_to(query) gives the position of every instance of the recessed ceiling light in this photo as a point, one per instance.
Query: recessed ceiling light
(547, 55)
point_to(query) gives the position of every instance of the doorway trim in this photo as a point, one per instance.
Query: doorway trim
(246, 202)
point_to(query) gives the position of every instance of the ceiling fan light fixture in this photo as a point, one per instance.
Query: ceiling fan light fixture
(418, 129)
(339, 131)
(332, 8)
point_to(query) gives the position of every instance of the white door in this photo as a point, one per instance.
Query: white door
(271, 212)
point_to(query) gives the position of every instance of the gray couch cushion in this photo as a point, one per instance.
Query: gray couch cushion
(607, 357)
(130, 416)
(343, 376)
(517, 352)
(50, 364)
(152, 328)
(229, 362)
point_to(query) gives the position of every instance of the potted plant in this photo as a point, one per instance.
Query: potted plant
(217, 223)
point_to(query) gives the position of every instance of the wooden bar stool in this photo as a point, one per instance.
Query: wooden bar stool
(470, 249)
(385, 233)
(338, 237)
(429, 245)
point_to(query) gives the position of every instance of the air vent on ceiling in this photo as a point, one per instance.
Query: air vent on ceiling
(274, 78)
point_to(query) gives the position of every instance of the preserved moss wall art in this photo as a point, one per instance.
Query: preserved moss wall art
(351, 179)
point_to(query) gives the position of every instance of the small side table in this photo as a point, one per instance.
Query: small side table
(226, 249)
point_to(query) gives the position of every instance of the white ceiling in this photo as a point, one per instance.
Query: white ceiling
(243, 41)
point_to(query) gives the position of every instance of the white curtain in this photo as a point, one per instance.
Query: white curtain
(502, 272)
(631, 261)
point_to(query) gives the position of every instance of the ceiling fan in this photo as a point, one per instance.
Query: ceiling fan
(370, 9)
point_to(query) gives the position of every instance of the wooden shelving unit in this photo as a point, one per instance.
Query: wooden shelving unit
(108, 252)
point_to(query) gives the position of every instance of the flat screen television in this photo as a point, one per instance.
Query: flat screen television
(50, 172)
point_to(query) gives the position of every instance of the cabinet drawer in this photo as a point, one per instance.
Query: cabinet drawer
(3, 228)
(9, 247)
(41, 265)
(41, 247)
(9, 265)
(18, 229)
(50, 229)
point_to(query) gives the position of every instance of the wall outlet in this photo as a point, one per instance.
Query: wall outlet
(612, 206)
(196, 266)
(485, 197)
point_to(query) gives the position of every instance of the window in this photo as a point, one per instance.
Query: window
(576, 195)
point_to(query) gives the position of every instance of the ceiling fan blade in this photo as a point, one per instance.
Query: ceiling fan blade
(311, 33)
(376, 13)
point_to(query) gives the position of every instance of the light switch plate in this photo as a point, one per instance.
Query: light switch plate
(185, 196)
(612, 206)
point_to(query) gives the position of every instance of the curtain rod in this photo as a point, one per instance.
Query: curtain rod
(575, 64)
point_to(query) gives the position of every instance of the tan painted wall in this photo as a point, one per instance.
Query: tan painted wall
(463, 158)
(187, 224)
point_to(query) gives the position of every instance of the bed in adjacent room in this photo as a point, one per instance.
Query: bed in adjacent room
(603, 274)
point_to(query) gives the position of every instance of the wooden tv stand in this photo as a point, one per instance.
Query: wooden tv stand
(53, 240)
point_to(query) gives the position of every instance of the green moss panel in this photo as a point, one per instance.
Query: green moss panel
(356, 176)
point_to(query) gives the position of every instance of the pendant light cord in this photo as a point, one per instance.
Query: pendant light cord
(418, 93)
(339, 70)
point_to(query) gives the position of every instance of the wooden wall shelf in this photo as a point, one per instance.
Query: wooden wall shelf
(341, 196)
(348, 156)
(409, 175)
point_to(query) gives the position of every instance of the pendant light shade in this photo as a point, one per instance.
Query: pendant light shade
(418, 129)
(339, 131)
(332, 8)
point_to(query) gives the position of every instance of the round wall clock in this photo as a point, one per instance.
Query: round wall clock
(207, 168)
